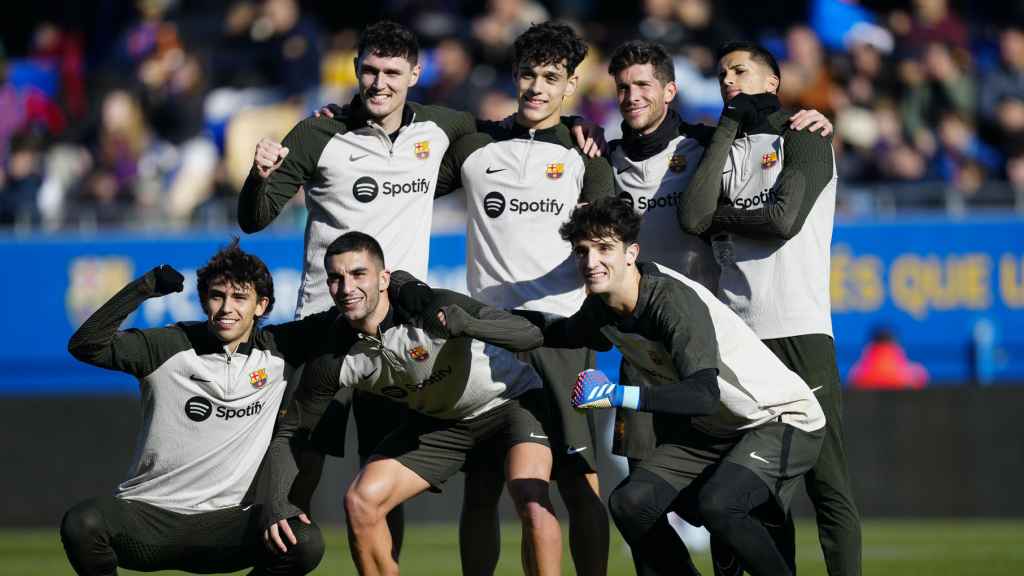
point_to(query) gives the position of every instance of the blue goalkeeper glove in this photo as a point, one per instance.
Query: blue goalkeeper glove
(594, 390)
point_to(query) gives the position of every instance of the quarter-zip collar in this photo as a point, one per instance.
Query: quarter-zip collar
(557, 134)
(205, 342)
(767, 121)
(639, 147)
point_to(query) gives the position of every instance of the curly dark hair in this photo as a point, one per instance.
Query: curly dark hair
(233, 265)
(389, 39)
(606, 217)
(643, 52)
(550, 43)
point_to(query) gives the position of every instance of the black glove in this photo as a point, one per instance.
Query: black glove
(168, 280)
(742, 108)
(415, 298)
(336, 109)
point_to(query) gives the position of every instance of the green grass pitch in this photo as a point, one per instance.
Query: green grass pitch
(891, 547)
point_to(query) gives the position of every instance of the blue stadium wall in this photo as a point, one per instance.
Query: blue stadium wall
(953, 292)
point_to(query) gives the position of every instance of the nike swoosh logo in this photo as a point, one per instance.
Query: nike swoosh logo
(815, 389)
(353, 157)
(538, 436)
(621, 170)
(370, 375)
(572, 450)
(199, 379)
(492, 171)
(756, 457)
(247, 507)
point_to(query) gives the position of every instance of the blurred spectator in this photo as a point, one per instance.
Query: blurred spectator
(496, 29)
(808, 82)
(883, 365)
(1002, 92)
(23, 178)
(451, 86)
(933, 22)
(963, 159)
(935, 84)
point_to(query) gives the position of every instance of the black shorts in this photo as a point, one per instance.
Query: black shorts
(573, 442)
(436, 449)
(634, 435)
(779, 454)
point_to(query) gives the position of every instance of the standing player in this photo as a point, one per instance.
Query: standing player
(522, 179)
(735, 428)
(210, 395)
(653, 164)
(766, 196)
(463, 391)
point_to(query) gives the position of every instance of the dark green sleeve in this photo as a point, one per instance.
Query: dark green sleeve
(137, 352)
(697, 204)
(581, 330)
(683, 324)
(316, 389)
(303, 339)
(454, 123)
(598, 180)
(465, 316)
(449, 177)
(262, 200)
(806, 170)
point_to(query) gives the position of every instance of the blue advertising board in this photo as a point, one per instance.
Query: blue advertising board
(952, 292)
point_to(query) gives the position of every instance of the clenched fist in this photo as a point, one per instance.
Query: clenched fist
(269, 156)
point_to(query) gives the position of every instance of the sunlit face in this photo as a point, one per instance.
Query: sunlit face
(356, 282)
(738, 72)
(232, 311)
(643, 99)
(384, 83)
(541, 90)
(603, 263)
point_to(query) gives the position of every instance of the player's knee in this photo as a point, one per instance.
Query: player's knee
(717, 506)
(363, 510)
(82, 523)
(306, 555)
(627, 504)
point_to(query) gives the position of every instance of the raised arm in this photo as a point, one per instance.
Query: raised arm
(806, 170)
(581, 330)
(279, 170)
(464, 316)
(98, 342)
(319, 383)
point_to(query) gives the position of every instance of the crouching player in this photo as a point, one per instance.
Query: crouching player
(735, 429)
(211, 393)
(453, 368)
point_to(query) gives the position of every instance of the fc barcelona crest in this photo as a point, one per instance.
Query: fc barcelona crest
(419, 354)
(555, 170)
(769, 159)
(258, 379)
(423, 149)
(677, 163)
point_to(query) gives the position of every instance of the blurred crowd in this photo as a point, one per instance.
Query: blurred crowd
(146, 116)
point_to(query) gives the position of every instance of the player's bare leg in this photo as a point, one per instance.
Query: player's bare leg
(529, 473)
(377, 489)
(588, 521)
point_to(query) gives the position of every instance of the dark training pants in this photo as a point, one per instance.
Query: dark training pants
(813, 357)
(106, 532)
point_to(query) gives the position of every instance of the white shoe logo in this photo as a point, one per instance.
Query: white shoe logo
(756, 457)
(815, 389)
(574, 450)
(538, 436)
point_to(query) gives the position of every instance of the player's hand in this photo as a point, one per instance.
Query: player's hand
(275, 535)
(168, 280)
(269, 156)
(741, 108)
(415, 297)
(594, 390)
(329, 111)
(812, 120)
(589, 137)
